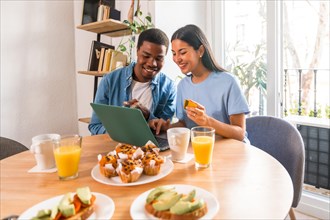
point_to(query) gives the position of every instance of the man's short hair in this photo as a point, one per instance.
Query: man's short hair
(153, 35)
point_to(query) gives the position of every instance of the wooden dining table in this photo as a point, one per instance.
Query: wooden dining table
(247, 182)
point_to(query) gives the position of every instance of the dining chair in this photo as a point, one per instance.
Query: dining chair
(283, 141)
(9, 147)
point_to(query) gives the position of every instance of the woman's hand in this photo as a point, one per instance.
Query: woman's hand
(198, 115)
(159, 124)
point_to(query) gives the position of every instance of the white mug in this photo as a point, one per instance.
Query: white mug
(42, 148)
(178, 140)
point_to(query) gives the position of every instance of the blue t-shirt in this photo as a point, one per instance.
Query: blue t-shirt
(219, 93)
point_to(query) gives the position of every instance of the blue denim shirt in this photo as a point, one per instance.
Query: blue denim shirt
(115, 88)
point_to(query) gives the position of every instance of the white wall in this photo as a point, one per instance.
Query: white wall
(43, 93)
(38, 89)
(166, 15)
(172, 15)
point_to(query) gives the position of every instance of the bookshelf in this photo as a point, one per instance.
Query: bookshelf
(107, 27)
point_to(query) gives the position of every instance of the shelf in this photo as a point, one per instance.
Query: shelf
(94, 73)
(109, 27)
(85, 120)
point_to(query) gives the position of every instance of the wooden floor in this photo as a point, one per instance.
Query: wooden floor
(301, 216)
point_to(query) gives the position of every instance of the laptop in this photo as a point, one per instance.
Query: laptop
(127, 125)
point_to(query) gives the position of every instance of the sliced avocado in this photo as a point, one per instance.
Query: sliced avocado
(181, 207)
(196, 205)
(167, 202)
(67, 210)
(66, 199)
(43, 213)
(42, 218)
(155, 193)
(167, 195)
(84, 195)
(66, 207)
(54, 212)
(190, 196)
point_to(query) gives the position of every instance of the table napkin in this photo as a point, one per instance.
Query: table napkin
(187, 158)
(36, 169)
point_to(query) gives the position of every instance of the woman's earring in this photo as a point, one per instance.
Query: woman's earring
(200, 56)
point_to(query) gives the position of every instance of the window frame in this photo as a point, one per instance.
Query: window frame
(274, 48)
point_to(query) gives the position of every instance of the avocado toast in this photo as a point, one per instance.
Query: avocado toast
(166, 203)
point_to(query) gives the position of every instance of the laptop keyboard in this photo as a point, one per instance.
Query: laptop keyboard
(162, 143)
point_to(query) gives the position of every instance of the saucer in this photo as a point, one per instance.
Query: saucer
(36, 169)
(187, 158)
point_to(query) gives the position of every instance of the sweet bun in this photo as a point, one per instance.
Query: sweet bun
(125, 151)
(151, 164)
(129, 170)
(108, 165)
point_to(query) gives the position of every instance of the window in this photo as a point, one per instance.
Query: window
(306, 58)
(280, 52)
(245, 49)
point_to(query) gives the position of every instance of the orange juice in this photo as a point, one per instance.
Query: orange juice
(203, 149)
(67, 160)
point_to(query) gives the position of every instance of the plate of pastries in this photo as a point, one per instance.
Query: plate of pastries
(129, 165)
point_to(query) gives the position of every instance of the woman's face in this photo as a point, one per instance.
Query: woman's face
(185, 56)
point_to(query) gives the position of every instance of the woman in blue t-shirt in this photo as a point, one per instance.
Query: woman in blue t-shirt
(220, 101)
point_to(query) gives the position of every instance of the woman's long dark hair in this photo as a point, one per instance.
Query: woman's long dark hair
(195, 37)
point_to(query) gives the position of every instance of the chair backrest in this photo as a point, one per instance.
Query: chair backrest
(9, 147)
(283, 141)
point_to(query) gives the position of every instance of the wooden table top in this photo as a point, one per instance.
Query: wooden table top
(248, 183)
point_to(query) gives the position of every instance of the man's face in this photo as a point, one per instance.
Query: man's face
(150, 60)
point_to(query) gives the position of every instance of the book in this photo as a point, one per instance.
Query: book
(100, 13)
(118, 59)
(106, 61)
(90, 9)
(106, 12)
(101, 59)
(95, 54)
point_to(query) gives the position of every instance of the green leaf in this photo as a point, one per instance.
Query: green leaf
(148, 18)
(126, 22)
(122, 48)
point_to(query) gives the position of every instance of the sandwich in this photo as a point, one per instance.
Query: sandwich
(72, 206)
(189, 103)
(166, 203)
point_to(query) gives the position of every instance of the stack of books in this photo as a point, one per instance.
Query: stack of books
(105, 58)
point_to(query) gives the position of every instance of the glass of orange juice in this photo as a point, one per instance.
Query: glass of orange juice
(67, 156)
(202, 140)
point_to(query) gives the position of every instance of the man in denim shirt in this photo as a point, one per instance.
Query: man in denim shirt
(141, 84)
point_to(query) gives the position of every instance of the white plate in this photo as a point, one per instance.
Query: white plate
(165, 169)
(104, 207)
(138, 211)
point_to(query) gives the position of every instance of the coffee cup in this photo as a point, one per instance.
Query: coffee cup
(42, 148)
(178, 140)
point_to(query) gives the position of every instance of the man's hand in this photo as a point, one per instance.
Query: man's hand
(159, 124)
(134, 103)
